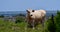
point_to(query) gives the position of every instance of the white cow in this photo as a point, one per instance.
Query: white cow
(35, 16)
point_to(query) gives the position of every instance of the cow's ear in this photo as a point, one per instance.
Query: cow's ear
(28, 11)
(32, 10)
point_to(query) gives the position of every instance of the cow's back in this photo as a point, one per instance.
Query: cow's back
(39, 14)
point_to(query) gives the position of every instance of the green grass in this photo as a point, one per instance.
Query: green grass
(10, 26)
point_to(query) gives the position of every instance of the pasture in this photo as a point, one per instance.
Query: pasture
(10, 26)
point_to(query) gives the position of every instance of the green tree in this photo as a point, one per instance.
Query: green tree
(52, 25)
(1, 16)
(58, 21)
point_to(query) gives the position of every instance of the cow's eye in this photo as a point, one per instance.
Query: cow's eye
(32, 10)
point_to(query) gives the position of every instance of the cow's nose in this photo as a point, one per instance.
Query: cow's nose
(31, 15)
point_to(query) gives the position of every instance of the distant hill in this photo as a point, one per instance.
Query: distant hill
(13, 13)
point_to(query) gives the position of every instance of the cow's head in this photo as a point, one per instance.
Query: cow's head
(30, 13)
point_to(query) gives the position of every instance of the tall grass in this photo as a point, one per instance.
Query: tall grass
(10, 26)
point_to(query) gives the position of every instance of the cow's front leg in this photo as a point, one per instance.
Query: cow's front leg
(33, 25)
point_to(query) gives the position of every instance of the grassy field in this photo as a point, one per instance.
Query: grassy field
(10, 26)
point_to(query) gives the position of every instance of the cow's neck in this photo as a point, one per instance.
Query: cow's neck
(29, 17)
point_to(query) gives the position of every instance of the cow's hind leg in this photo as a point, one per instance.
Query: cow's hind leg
(43, 20)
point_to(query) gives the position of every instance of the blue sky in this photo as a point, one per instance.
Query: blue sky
(22, 5)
